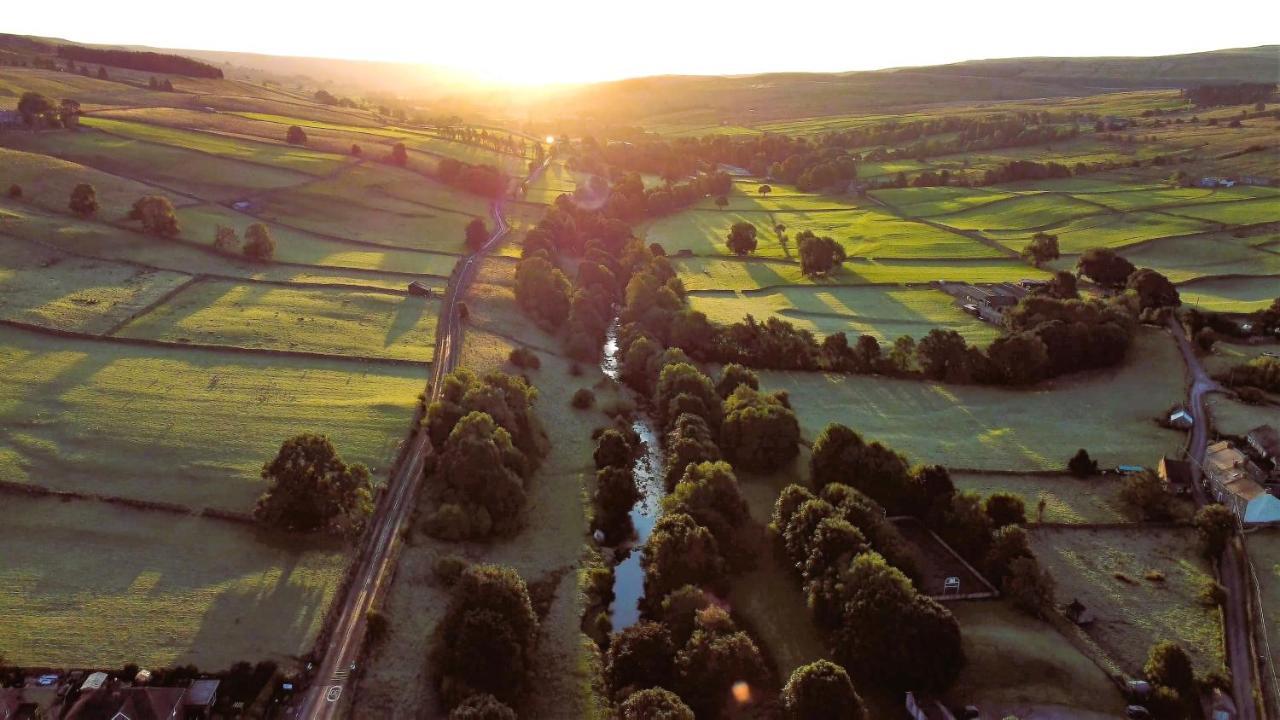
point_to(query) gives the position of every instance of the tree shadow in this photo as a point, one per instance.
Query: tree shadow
(408, 313)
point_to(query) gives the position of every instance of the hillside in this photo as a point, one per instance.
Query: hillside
(753, 98)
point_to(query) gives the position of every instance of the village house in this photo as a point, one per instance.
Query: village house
(1266, 440)
(1234, 482)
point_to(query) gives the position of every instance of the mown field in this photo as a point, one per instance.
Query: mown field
(330, 321)
(1238, 295)
(1110, 413)
(78, 578)
(1264, 554)
(184, 426)
(1142, 584)
(886, 312)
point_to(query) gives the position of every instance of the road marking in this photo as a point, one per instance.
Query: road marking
(334, 693)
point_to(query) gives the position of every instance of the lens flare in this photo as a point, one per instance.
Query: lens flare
(551, 139)
(742, 692)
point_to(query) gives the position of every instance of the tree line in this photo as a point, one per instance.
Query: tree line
(145, 61)
(1244, 93)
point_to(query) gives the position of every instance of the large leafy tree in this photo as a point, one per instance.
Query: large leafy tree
(709, 493)
(258, 243)
(477, 234)
(717, 657)
(760, 432)
(1042, 248)
(32, 105)
(943, 355)
(311, 488)
(819, 255)
(1104, 266)
(156, 214)
(679, 552)
(821, 690)
(655, 704)
(742, 238)
(841, 456)
(479, 464)
(487, 635)
(1154, 290)
(543, 292)
(641, 656)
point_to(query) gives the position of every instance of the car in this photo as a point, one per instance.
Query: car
(1137, 712)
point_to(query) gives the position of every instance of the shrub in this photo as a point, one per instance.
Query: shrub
(583, 399)
(448, 568)
(1144, 495)
(356, 151)
(15, 191)
(1005, 509)
(523, 357)
(225, 240)
(84, 200)
(1212, 593)
(612, 450)
(464, 312)
(376, 626)
(156, 214)
(295, 136)
(641, 656)
(1029, 586)
(1169, 665)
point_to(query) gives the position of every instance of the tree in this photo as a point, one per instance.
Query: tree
(482, 707)
(641, 656)
(734, 375)
(1042, 248)
(543, 292)
(32, 106)
(722, 202)
(1005, 509)
(1062, 286)
(102, 72)
(679, 552)
(1081, 465)
(742, 238)
(891, 636)
(683, 388)
(655, 704)
(1144, 494)
(760, 433)
(487, 635)
(1214, 525)
(1154, 290)
(479, 463)
(310, 488)
(764, 190)
(1104, 267)
(399, 155)
(15, 191)
(258, 244)
(717, 657)
(295, 136)
(1007, 544)
(356, 150)
(841, 456)
(157, 215)
(612, 450)
(708, 492)
(821, 690)
(1029, 587)
(943, 355)
(225, 240)
(819, 255)
(1169, 665)
(1018, 358)
(477, 234)
(84, 200)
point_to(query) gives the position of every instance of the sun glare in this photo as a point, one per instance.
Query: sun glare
(551, 139)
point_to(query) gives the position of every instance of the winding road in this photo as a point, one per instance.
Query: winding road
(327, 695)
(1236, 621)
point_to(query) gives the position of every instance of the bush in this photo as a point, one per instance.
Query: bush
(583, 399)
(612, 450)
(15, 191)
(225, 240)
(464, 312)
(295, 136)
(1215, 525)
(641, 656)
(1005, 509)
(1145, 496)
(1169, 665)
(376, 626)
(156, 214)
(523, 357)
(84, 200)
(1029, 587)
(448, 568)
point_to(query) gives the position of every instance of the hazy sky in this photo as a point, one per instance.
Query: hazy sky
(578, 40)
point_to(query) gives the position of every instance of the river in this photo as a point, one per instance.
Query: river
(628, 576)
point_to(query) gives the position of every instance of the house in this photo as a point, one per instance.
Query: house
(1176, 475)
(927, 709)
(1266, 440)
(1232, 476)
(10, 118)
(128, 703)
(1181, 419)
(417, 288)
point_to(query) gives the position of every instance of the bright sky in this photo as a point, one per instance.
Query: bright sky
(531, 42)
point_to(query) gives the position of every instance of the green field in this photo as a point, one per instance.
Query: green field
(335, 322)
(1238, 295)
(730, 274)
(1264, 555)
(1106, 569)
(1246, 212)
(49, 288)
(1187, 258)
(1232, 417)
(926, 202)
(179, 425)
(211, 177)
(1179, 197)
(1067, 499)
(1021, 212)
(47, 182)
(1016, 662)
(276, 154)
(1107, 230)
(969, 426)
(885, 312)
(79, 577)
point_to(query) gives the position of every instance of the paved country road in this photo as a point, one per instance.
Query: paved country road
(330, 688)
(1231, 566)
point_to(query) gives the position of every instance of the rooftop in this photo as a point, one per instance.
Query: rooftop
(1231, 469)
(1266, 439)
